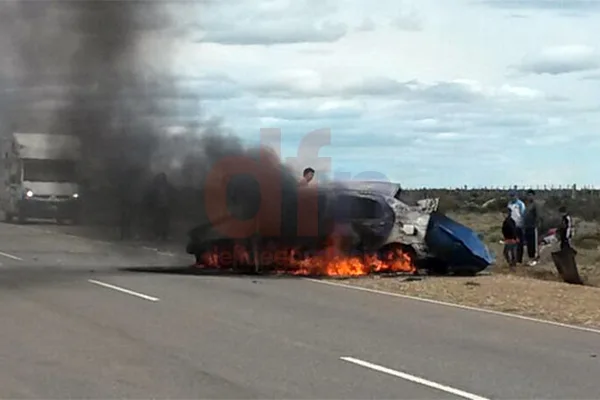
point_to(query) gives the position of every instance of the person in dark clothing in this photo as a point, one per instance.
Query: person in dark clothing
(160, 205)
(565, 231)
(128, 204)
(530, 227)
(517, 207)
(511, 239)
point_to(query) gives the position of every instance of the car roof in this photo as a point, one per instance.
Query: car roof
(390, 189)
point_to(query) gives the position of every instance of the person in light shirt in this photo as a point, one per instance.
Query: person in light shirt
(307, 176)
(517, 208)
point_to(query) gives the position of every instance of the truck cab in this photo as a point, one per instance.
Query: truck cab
(39, 177)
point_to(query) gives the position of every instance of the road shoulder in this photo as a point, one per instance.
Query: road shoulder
(513, 294)
(553, 301)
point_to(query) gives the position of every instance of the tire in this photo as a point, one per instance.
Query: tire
(436, 267)
(406, 249)
(190, 249)
(464, 272)
(75, 219)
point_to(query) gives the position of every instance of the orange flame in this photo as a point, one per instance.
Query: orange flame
(330, 262)
(340, 265)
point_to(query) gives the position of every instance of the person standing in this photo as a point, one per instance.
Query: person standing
(509, 233)
(531, 226)
(128, 200)
(564, 259)
(565, 231)
(307, 176)
(517, 208)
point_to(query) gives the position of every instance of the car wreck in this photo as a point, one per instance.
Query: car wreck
(360, 227)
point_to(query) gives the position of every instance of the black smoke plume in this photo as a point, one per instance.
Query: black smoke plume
(74, 67)
(73, 70)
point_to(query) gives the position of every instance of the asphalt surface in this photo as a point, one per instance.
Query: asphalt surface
(74, 324)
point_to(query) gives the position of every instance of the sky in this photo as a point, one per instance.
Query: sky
(428, 93)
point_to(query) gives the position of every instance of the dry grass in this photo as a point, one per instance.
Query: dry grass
(586, 241)
(512, 294)
(530, 291)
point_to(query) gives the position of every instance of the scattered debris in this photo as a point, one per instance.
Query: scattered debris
(566, 265)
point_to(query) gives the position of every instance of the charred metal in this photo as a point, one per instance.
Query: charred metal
(366, 218)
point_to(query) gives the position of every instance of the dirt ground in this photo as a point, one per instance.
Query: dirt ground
(530, 291)
(586, 241)
(526, 296)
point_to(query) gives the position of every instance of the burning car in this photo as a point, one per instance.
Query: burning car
(361, 227)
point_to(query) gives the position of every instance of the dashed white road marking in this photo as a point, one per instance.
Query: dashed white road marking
(443, 303)
(123, 290)
(10, 256)
(413, 378)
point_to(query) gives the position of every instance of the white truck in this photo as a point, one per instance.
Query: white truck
(39, 178)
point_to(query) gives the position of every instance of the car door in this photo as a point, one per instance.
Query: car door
(371, 218)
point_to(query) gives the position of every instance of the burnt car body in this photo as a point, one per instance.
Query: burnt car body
(372, 219)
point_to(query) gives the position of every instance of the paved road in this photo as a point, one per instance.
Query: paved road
(76, 326)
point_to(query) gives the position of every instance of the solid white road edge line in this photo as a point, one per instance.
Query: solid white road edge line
(123, 290)
(10, 256)
(414, 379)
(443, 303)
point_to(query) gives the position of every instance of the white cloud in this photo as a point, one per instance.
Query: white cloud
(277, 33)
(367, 25)
(429, 92)
(269, 23)
(592, 77)
(301, 110)
(562, 60)
(552, 5)
(409, 19)
(449, 136)
(309, 83)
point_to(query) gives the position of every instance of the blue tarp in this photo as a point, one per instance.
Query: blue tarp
(456, 244)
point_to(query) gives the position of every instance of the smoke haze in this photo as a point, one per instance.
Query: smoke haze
(75, 67)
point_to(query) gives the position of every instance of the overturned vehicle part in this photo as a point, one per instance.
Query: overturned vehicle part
(367, 218)
(566, 265)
